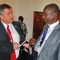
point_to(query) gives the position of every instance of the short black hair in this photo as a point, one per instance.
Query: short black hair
(20, 18)
(4, 6)
(52, 6)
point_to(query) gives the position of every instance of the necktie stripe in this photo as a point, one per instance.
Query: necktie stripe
(13, 55)
(44, 34)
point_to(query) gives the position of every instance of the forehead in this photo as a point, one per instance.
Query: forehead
(8, 10)
(49, 10)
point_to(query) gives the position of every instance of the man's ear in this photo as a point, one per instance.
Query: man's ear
(1, 16)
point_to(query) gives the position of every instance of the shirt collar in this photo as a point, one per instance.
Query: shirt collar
(53, 25)
(5, 25)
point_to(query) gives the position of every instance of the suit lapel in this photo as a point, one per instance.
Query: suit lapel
(3, 33)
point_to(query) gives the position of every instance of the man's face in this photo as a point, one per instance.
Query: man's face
(49, 16)
(7, 16)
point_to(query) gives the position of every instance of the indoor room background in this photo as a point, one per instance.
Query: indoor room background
(26, 9)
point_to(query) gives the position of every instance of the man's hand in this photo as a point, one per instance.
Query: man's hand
(16, 45)
(26, 45)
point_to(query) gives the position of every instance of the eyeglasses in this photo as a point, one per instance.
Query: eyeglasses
(48, 14)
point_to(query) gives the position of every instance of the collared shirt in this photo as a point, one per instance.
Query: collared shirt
(38, 48)
(14, 34)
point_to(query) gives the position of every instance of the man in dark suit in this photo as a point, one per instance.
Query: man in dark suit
(8, 44)
(48, 47)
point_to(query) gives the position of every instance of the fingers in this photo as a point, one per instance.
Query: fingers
(16, 45)
(26, 45)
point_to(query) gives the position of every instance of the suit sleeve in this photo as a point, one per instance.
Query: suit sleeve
(5, 47)
(59, 52)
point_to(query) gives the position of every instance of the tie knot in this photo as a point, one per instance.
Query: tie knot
(7, 26)
(8, 30)
(46, 27)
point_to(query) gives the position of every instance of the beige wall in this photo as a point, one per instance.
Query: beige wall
(26, 8)
(40, 4)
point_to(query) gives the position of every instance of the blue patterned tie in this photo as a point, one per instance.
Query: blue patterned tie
(44, 34)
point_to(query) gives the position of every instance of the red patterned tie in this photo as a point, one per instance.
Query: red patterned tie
(13, 55)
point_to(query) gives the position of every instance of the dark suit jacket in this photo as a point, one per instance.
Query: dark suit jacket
(6, 46)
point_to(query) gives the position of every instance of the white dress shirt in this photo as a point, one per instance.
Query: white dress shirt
(38, 48)
(15, 36)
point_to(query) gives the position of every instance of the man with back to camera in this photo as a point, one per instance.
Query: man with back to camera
(10, 34)
(23, 25)
(48, 44)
